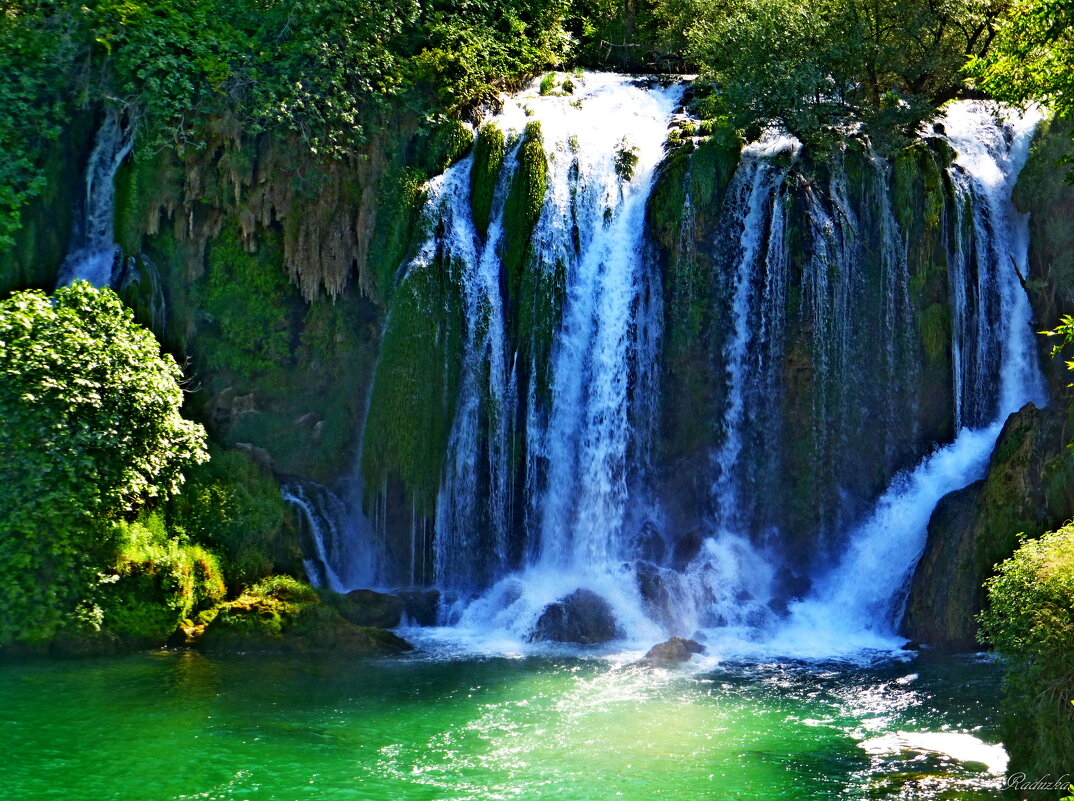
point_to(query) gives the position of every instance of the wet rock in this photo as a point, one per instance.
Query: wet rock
(654, 587)
(674, 651)
(687, 548)
(421, 606)
(972, 529)
(650, 543)
(582, 617)
(371, 608)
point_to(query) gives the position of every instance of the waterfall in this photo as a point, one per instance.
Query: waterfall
(93, 251)
(547, 486)
(583, 439)
(342, 554)
(757, 221)
(861, 601)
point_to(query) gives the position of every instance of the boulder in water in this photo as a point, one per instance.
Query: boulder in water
(582, 617)
(371, 608)
(675, 650)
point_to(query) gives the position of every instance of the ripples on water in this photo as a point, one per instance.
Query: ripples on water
(184, 726)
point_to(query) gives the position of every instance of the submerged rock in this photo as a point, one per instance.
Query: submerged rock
(371, 608)
(675, 650)
(582, 617)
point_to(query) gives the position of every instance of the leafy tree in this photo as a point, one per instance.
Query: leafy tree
(830, 68)
(1033, 57)
(91, 430)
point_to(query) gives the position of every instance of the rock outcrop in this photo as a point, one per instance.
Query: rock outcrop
(674, 651)
(582, 617)
(1026, 491)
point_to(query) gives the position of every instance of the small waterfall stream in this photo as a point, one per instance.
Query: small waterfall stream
(93, 251)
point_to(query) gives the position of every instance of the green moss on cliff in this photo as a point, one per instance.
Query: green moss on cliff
(250, 303)
(522, 208)
(489, 150)
(682, 215)
(414, 391)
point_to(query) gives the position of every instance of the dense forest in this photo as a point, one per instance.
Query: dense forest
(263, 330)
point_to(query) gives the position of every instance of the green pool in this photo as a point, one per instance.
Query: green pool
(180, 725)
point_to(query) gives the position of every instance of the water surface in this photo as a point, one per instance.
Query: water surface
(180, 725)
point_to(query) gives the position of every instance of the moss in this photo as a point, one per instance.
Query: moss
(283, 614)
(250, 302)
(398, 225)
(935, 329)
(522, 209)
(489, 151)
(414, 391)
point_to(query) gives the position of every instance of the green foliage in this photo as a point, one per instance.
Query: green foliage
(1030, 620)
(247, 297)
(822, 69)
(35, 54)
(1033, 57)
(626, 160)
(155, 583)
(234, 506)
(91, 430)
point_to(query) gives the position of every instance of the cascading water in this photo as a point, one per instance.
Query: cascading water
(92, 255)
(584, 443)
(860, 602)
(546, 488)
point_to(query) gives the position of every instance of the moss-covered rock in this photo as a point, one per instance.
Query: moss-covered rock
(414, 392)
(522, 208)
(1043, 191)
(489, 150)
(283, 614)
(974, 528)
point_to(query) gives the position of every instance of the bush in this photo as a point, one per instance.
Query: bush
(155, 584)
(91, 430)
(234, 506)
(1030, 621)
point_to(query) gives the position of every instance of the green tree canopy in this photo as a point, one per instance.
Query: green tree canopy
(835, 67)
(91, 430)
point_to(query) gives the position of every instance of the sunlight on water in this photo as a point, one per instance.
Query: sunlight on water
(183, 726)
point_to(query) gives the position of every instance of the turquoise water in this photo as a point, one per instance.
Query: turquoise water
(180, 725)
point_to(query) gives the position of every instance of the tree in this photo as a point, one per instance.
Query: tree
(825, 69)
(1033, 57)
(90, 431)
